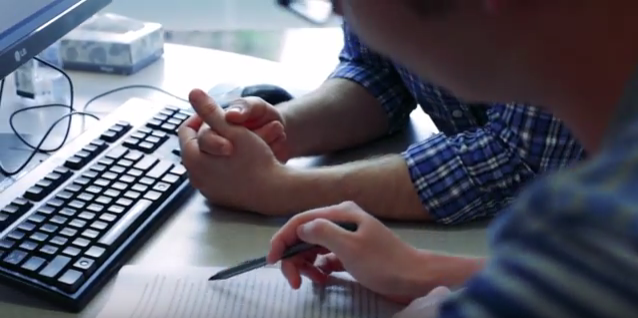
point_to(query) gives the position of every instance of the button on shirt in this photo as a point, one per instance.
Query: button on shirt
(569, 247)
(483, 154)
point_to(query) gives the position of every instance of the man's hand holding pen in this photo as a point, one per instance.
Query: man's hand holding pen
(364, 254)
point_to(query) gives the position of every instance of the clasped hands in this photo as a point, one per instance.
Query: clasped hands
(237, 158)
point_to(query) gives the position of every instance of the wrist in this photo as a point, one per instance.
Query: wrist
(433, 269)
(288, 121)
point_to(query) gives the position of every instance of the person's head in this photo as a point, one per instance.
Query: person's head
(491, 50)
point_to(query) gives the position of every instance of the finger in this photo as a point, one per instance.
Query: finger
(329, 264)
(270, 132)
(291, 272)
(313, 273)
(209, 111)
(251, 112)
(326, 233)
(278, 147)
(213, 144)
(187, 134)
(288, 234)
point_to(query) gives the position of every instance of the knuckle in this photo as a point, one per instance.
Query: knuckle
(349, 205)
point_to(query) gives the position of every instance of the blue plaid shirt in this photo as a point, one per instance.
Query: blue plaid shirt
(483, 153)
(569, 247)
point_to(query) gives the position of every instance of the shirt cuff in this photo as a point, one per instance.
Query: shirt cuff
(443, 183)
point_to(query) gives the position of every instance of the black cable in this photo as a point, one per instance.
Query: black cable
(137, 86)
(46, 135)
(70, 107)
(38, 148)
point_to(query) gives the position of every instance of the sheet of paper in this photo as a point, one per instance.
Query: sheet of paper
(142, 292)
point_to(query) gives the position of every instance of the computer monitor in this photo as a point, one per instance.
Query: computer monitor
(27, 27)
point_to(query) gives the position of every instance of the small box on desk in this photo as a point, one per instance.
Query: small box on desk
(110, 43)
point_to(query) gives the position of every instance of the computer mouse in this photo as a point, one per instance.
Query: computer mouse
(272, 94)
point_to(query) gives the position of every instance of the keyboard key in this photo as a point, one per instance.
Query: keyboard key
(39, 236)
(116, 153)
(68, 212)
(131, 143)
(64, 195)
(70, 281)
(16, 235)
(35, 193)
(15, 257)
(120, 186)
(28, 245)
(91, 175)
(146, 163)
(102, 183)
(125, 224)
(170, 178)
(59, 240)
(107, 162)
(103, 200)
(77, 204)
(116, 209)
(108, 217)
(85, 265)
(27, 226)
(46, 210)
(153, 196)
(139, 188)
(81, 242)
(95, 252)
(77, 223)
(6, 244)
(90, 234)
(94, 189)
(58, 219)
(37, 218)
(72, 251)
(109, 136)
(99, 225)
(33, 264)
(75, 163)
(86, 197)
(134, 173)
(69, 232)
(146, 147)
(134, 156)
(48, 228)
(48, 250)
(112, 193)
(55, 267)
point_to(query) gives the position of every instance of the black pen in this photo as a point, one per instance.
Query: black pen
(261, 262)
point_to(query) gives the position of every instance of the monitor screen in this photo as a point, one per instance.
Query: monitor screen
(27, 27)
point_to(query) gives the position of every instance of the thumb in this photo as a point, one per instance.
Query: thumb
(326, 234)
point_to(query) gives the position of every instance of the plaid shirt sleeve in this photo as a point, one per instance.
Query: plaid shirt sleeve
(469, 175)
(378, 75)
(476, 174)
(566, 251)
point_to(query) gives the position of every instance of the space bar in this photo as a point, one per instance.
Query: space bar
(125, 223)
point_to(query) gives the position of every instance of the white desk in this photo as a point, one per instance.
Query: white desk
(197, 236)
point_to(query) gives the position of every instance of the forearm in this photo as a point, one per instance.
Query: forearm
(381, 186)
(338, 115)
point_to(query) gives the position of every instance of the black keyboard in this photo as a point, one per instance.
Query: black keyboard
(67, 226)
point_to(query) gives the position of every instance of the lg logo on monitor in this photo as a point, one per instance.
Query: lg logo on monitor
(19, 54)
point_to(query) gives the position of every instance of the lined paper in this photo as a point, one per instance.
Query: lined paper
(142, 292)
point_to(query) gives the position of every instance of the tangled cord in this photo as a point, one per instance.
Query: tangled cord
(72, 112)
